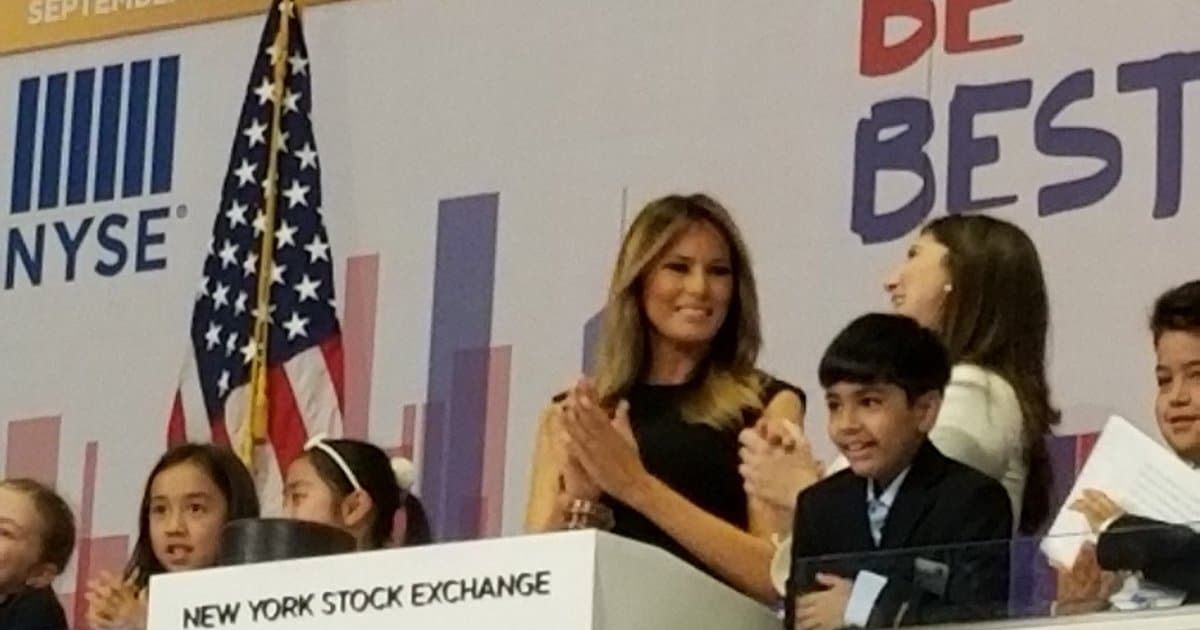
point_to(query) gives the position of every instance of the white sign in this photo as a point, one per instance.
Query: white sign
(526, 582)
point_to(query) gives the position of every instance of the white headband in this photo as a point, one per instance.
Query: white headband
(402, 468)
(318, 442)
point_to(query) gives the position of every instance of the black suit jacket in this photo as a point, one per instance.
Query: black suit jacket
(1165, 554)
(933, 576)
(32, 609)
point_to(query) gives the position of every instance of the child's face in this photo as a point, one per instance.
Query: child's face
(876, 427)
(187, 512)
(21, 543)
(306, 497)
(1177, 404)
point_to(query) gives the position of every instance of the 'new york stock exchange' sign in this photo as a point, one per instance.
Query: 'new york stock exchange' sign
(525, 582)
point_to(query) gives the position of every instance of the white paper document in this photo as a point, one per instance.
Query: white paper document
(1139, 475)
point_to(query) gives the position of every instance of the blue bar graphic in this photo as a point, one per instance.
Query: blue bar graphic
(27, 109)
(163, 164)
(110, 112)
(135, 129)
(81, 132)
(463, 284)
(52, 140)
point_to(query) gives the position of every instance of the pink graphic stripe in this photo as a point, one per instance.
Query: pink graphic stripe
(495, 439)
(87, 505)
(103, 554)
(109, 553)
(408, 435)
(33, 449)
(362, 295)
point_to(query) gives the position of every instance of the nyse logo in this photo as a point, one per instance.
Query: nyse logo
(93, 165)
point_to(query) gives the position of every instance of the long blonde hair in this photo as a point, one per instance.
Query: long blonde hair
(729, 384)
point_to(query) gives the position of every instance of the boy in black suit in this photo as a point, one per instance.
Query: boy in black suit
(904, 535)
(1164, 555)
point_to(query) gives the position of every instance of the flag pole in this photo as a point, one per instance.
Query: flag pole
(254, 430)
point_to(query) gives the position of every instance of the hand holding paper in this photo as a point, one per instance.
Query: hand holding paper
(1133, 474)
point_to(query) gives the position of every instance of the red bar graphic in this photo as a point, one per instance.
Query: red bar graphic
(87, 504)
(408, 435)
(108, 554)
(358, 336)
(495, 440)
(33, 449)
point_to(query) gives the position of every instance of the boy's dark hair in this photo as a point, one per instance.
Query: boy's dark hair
(1177, 310)
(887, 349)
(226, 471)
(58, 523)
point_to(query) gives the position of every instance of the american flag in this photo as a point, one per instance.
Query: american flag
(303, 370)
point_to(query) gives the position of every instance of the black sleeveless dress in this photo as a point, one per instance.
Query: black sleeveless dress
(696, 460)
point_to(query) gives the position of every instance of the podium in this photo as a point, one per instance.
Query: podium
(583, 580)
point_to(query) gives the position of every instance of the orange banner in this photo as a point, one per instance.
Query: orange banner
(30, 24)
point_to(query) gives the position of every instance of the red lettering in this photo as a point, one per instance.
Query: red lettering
(958, 28)
(876, 57)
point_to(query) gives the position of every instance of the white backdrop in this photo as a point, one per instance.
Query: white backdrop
(565, 109)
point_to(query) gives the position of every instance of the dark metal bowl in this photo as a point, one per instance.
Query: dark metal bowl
(251, 540)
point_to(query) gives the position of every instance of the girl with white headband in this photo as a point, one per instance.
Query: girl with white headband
(353, 485)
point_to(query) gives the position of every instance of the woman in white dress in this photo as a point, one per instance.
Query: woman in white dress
(977, 281)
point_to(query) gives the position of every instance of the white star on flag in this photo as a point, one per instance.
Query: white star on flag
(249, 350)
(291, 101)
(296, 326)
(223, 382)
(260, 222)
(297, 194)
(257, 314)
(212, 338)
(239, 305)
(265, 91)
(317, 249)
(285, 235)
(256, 133)
(245, 173)
(277, 271)
(250, 265)
(228, 254)
(299, 64)
(307, 157)
(236, 214)
(307, 289)
(220, 296)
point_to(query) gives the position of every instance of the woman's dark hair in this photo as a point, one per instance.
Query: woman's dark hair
(997, 317)
(373, 469)
(882, 349)
(58, 523)
(224, 469)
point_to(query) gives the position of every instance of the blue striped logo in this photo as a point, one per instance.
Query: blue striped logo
(104, 132)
